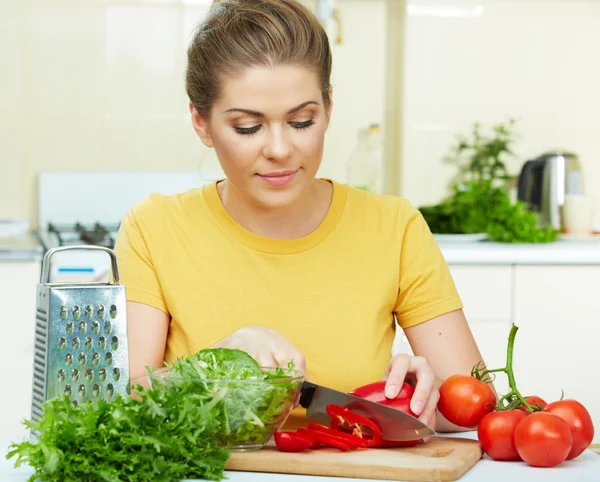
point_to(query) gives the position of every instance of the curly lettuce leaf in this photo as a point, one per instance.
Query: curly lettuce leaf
(164, 436)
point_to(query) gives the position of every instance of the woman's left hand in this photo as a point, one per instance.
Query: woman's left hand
(404, 367)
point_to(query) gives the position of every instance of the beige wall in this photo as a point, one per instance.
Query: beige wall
(487, 60)
(98, 85)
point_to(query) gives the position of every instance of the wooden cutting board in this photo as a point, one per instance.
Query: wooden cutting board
(440, 459)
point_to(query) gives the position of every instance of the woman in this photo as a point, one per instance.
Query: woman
(273, 260)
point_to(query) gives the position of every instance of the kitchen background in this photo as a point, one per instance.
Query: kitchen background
(96, 88)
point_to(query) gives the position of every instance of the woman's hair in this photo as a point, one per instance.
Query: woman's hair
(238, 34)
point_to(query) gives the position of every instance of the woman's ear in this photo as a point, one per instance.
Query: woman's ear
(201, 127)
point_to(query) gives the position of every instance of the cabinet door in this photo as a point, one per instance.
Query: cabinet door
(557, 345)
(485, 290)
(18, 283)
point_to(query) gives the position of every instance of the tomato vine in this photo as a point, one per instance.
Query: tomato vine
(513, 397)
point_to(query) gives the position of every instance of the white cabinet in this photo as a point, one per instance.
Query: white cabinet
(487, 295)
(18, 282)
(557, 310)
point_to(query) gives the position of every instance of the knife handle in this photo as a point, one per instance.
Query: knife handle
(306, 394)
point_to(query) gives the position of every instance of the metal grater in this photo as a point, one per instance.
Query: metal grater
(80, 338)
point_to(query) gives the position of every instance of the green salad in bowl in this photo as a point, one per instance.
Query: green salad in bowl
(248, 402)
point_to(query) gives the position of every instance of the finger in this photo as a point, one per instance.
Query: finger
(432, 423)
(265, 360)
(397, 373)
(425, 384)
(428, 414)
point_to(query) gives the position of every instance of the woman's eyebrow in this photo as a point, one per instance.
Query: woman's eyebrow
(302, 106)
(255, 113)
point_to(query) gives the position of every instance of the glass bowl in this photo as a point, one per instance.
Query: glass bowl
(249, 411)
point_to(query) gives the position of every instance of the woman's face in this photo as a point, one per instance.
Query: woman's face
(268, 130)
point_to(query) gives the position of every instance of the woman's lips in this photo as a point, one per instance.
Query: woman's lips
(280, 178)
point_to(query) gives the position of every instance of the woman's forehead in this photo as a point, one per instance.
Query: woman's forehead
(275, 89)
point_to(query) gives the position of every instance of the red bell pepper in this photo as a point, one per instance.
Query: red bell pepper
(375, 392)
(292, 442)
(327, 439)
(351, 440)
(349, 430)
(345, 420)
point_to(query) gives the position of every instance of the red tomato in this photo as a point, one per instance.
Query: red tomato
(496, 432)
(534, 401)
(291, 442)
(464, 400)
(580, 423)
(543, 439)
(375, 392)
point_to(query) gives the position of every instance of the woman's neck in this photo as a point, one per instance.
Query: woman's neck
(292, 222)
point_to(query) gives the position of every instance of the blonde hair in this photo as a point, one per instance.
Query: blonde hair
(238, 34)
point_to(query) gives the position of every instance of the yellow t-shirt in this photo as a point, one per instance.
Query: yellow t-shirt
(332, 293)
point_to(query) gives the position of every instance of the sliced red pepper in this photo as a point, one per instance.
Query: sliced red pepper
(345, 420)
(291, 442)
(352, 440)
(327, 439)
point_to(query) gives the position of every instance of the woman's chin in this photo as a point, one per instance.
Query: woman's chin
(277, 197)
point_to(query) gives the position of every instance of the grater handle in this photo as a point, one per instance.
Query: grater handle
(45, 276)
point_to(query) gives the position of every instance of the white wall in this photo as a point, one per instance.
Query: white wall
(99, 85)
(487, 60)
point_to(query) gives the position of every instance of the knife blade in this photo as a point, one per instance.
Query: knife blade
(394, 424)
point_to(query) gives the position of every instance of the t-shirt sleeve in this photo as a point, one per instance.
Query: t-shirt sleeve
(136, 269)
(426, 288)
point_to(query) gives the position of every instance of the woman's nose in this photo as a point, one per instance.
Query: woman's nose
(278, 145)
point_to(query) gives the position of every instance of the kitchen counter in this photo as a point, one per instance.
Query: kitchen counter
(562, 252)
(21, 248)
(586, 468)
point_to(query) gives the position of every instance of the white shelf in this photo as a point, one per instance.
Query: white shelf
(557, 253)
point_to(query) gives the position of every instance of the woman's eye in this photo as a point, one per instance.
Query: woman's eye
(247, 131)
(302, 125)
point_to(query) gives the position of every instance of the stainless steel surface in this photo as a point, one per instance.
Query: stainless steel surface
(45, 276)
(78, 350)
(546, 180)
(394, 424)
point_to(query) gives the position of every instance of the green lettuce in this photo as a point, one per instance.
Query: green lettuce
(177, 430)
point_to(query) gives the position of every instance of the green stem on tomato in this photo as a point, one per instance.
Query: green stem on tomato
(508, 369)
(505, 397)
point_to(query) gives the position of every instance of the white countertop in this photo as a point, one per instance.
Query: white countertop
(24, 247)
(563, 251)
(586, 468)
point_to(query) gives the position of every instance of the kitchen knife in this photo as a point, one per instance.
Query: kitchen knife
(394, 424)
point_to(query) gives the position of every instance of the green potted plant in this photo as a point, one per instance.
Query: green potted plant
(480, 201)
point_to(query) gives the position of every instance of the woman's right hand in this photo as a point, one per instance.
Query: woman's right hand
(268, 347)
